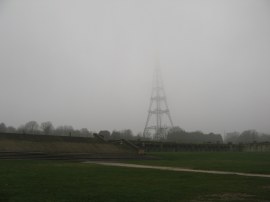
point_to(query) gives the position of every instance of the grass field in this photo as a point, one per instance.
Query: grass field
(59, 181)
(251, 162)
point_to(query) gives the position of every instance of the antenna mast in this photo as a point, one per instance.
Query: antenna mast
(158, 109)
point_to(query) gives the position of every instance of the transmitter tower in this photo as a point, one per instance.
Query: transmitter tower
(159, 119)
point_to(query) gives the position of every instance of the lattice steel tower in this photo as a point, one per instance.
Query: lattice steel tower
(158, 110)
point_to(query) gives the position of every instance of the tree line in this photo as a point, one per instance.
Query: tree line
(46, 128)
(248, 136)
(175, 134)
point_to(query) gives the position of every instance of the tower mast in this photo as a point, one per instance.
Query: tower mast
(158, 109)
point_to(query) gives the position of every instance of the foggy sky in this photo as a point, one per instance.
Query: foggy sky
(90, 63)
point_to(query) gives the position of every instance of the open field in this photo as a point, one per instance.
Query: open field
(249, 162)
(31, 180)
(178, 169)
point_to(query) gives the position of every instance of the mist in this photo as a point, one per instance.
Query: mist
(90, 63)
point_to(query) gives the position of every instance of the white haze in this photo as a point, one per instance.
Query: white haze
(89, 63)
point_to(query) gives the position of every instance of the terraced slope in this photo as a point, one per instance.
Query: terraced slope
(41, 146)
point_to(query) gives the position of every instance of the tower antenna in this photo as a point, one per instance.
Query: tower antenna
(158, 109)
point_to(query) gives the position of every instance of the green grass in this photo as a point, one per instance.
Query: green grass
(58, 181)
(251, 162)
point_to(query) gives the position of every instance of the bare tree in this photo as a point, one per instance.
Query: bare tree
(127, 134)
(47, 127)
(64, 130)
(116, 135)
(3, 128)
(11, 129)
(31, 127)
(85, 132)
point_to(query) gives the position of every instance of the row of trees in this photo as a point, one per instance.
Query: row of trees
(248, 136)
(122, 134)
(174, 135)
(47, 128)
(177, 134)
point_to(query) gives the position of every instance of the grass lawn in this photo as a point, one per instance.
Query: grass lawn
(59, 181)
(251, 162)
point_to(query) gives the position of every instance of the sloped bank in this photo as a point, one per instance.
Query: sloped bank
(47, 146)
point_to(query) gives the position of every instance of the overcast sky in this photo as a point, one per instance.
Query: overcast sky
(90, 63)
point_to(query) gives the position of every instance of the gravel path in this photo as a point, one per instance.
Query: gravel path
(179, 169)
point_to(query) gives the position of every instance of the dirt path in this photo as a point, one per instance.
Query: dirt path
(179, 169)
